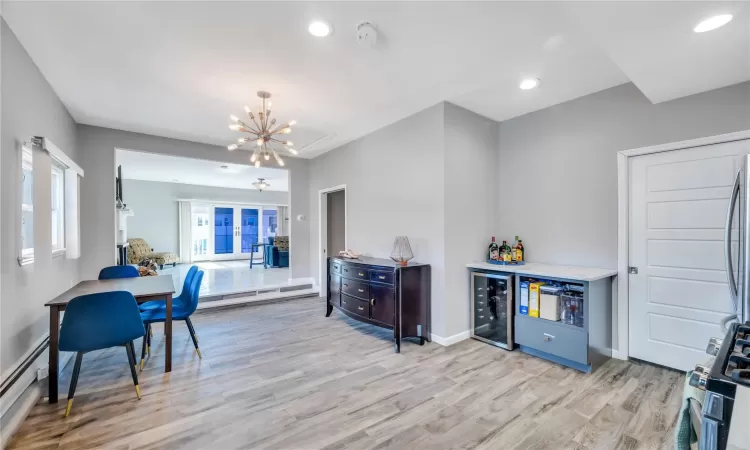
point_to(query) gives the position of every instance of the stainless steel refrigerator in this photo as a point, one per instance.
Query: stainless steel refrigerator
(737, 245)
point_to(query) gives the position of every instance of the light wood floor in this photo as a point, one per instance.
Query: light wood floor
(283, 376)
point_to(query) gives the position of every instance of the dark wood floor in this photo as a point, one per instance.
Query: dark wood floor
(283, 376)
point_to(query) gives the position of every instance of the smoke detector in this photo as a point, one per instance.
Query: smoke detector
(367, 34)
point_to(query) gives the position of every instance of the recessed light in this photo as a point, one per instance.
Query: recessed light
(319, 28)
(224, 166)
(713, 23)
(529, 83)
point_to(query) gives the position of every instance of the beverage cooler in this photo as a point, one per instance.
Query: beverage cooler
(492, 309)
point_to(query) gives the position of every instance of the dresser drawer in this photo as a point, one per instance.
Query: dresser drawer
(382, 276)
(352, 271)
(551, 337)
(356, 288)
(355, 306)
(335, 267)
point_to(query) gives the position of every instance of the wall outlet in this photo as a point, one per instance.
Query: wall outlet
(42, 373)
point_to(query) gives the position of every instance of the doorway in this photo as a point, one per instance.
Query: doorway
(332, 222)
(229, 232)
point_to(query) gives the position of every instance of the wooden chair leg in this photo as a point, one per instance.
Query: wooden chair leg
(131, 357)
(192, 335)
(74, 382)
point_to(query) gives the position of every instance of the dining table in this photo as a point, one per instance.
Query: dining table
(144, 289)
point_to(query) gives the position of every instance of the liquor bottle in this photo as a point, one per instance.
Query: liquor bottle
(518, 250)
(494, 251)
(505, 251)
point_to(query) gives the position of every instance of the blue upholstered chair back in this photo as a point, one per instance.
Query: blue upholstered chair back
(97, 321)
(187, 283)
(191, 302)
(112, 272)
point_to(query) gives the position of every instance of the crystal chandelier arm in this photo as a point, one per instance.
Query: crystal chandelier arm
(246, 128)
(256, 124)
(281, 129)
(278, 158)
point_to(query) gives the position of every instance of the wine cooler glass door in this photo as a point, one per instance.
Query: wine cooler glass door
(492, 309)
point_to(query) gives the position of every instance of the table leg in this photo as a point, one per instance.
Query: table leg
(168, 331)
(265, 263)
(54, 361)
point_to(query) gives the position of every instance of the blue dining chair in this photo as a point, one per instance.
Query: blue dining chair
(112, 272)
(176, 300)
(181, 311)
(98, 321)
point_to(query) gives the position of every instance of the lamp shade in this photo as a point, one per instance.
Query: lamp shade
(401, 252)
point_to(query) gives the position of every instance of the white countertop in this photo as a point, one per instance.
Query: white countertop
(549, 270)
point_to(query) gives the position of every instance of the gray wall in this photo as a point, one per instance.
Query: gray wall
(394, 185)
(97, 147)
(156, 209)
(29, 108)
(559, 165)
(470, 197)
(336, 222)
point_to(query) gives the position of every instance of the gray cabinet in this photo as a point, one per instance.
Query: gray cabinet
(583, 348)
(580, 347)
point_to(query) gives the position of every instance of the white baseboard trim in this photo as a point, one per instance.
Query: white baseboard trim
(17, 403)
(450, 340)
(11, 421)
(617, 355)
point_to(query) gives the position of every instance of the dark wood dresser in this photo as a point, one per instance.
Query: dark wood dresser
(383, 293)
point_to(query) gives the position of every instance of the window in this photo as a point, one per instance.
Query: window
(58, 207)
(64, 222)
(26, 253)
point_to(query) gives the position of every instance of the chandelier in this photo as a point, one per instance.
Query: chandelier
(261, 184)
(263, 133)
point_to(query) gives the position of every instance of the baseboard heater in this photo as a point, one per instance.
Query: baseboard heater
(16, 375)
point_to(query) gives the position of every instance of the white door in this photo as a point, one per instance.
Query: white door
(227, 232)
(678, 209)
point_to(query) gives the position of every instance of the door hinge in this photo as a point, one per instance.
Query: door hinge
(633, 270)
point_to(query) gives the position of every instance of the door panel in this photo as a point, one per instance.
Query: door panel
(249, 229)
(223, 231)
(382, 303)
(678, 206)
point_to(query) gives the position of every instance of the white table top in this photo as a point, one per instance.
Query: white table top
(549, 270)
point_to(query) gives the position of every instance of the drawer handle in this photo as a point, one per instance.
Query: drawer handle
(343, 301)
(372, 302)
(480, 310)
(346, 285)
(480, 295)
(481, 317)
(381, 277)
(360, 308)
(481, 303)
(361, 290)
(479, 289)
(361, 274)
(548, 337)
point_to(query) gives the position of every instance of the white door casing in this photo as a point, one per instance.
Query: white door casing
(677, 212)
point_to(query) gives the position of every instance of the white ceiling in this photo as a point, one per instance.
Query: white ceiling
(172, 169)
(178, 69)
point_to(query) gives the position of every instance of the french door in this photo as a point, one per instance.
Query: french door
(228, 232)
